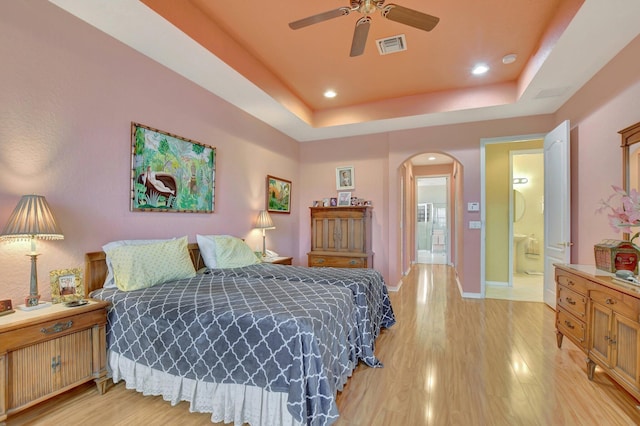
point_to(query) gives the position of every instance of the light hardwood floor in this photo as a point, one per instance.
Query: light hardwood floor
(447, 361)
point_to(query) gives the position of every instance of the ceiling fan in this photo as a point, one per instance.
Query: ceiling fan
(393, 12)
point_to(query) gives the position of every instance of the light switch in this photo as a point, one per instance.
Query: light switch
(473, 207)
(475, 224)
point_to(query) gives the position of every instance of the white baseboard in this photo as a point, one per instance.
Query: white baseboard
(396, 288)
(466, 295)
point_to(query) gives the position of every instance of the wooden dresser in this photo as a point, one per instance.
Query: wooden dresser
(341, 237)
(602, 317)
(48, 351)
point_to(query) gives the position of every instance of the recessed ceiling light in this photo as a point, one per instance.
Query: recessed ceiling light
(330, 94)
(480, 69)
(509, 59)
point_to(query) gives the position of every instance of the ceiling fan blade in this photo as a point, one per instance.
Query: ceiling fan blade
(410, 17)
(320, 17)
(360, 36)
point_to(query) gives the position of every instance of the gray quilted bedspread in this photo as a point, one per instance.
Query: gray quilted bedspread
(367, 287)
(298, 339)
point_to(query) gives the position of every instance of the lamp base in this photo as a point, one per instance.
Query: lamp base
(32, 300)
(40, 305)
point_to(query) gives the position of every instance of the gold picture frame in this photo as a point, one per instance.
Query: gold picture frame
(66, 285)
(278, 195)
(170, 173)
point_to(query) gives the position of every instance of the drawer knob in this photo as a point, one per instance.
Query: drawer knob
(568, 324)
(570, 301)
(57, 327)
(353, 262)
(319, 260)
(570, 282)
(610, 301)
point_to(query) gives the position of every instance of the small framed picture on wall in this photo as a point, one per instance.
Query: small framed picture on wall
(345, 178)
(278, 195)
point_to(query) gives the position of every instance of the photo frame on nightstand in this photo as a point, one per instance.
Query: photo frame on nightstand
(66, 285)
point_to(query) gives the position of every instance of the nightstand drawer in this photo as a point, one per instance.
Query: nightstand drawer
(281, 260)
(47, 351)
(51, 329)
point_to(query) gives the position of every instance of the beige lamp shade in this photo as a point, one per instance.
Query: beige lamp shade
(264, 220)
(32, 218)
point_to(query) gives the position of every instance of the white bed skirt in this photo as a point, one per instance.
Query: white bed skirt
(226, 402)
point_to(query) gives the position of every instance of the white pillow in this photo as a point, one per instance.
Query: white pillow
(141, 266)
(232, 252)
(207, 246)
(110, 282)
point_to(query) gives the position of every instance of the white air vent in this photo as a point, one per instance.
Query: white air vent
(391, 44)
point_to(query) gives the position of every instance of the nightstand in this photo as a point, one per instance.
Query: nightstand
(48, 351)
(278, 260)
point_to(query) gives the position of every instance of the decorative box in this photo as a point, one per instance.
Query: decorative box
(614, 255)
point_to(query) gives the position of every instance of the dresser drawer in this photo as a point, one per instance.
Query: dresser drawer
(51, 329)
(576, 330)
(337, 261)
(573, 302)
(572, 282)
(618, 302)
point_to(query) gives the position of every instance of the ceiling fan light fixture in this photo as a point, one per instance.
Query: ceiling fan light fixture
(480, 69)
(392, 12)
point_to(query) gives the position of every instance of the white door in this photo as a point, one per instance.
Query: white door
(557, 207)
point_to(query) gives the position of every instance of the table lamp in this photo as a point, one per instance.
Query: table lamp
(32, 219)
(264, 222)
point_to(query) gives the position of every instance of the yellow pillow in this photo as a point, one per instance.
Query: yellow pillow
(142, 266)
(232, 252)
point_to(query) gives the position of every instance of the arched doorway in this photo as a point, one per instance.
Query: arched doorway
(429, 218)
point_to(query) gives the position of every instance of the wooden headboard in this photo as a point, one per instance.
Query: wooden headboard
(95, 267)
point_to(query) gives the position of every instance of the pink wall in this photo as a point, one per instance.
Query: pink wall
(69, 94)
(609, 103)
(368, 156)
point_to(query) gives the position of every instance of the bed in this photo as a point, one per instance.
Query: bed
(369, 292)
(269, 347)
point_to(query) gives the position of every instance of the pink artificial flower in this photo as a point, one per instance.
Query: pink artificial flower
(624, 209)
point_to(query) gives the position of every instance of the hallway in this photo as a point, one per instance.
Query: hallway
(431, 258)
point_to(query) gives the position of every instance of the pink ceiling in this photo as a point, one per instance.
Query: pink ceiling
(296, 67)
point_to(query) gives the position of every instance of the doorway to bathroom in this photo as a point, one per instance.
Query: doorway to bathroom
(514, 224)
(527, 225)
(432, 228)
